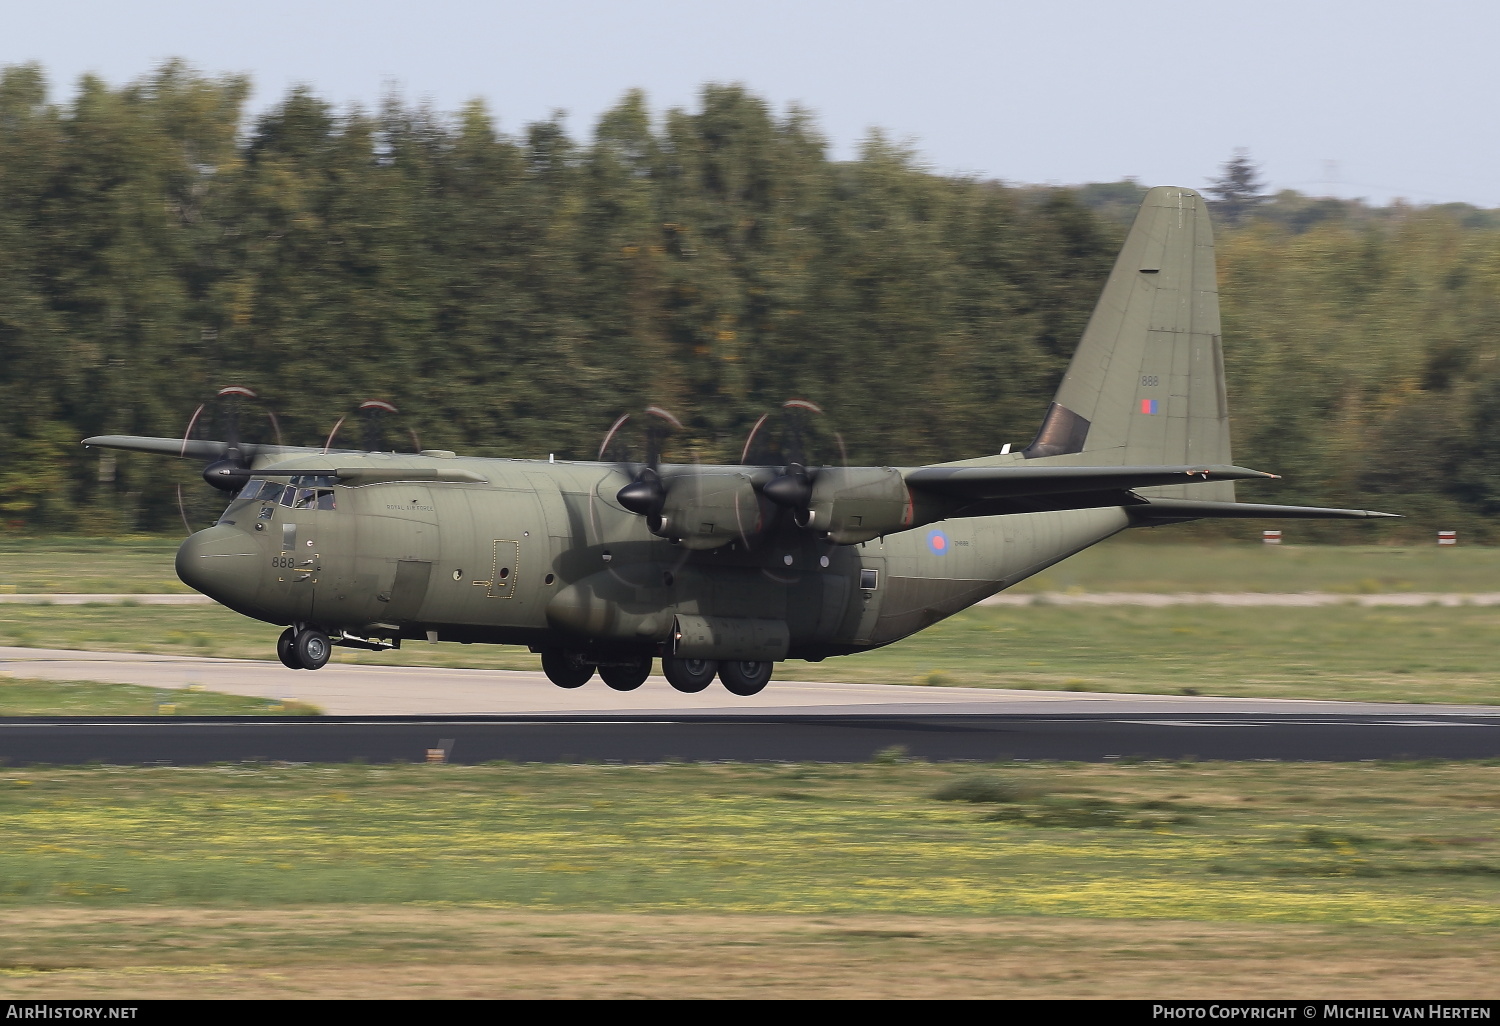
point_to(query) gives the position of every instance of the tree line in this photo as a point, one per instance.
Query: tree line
(514, 292)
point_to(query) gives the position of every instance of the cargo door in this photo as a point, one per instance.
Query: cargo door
(408, 590)
(869, 589)
(295, 528)
(511, 560)
(396, 544)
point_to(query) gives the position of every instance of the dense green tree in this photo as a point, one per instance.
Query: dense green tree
(1238, 189)
(514, 292)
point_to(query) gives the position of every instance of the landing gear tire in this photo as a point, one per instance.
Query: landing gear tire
(312, 648)
(626, 678)
(564, 670)
(286, 649)
(745, 678)
(689, 676)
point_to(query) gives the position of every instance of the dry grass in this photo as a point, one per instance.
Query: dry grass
(427, 952)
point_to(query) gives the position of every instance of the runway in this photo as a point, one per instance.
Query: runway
(364, 690)
(696, 737)
(383, 713)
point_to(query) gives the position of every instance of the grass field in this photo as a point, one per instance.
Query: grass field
(1146, 880)
(1128, 563)
(89, 566)
(1121, 880)
(21, 697)
(1422, 654)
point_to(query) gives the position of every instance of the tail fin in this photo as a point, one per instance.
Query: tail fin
(1146, 385)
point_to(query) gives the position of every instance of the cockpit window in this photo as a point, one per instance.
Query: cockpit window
(310, 491)
(254, 488)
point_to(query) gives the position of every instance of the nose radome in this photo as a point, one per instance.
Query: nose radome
(220, 562)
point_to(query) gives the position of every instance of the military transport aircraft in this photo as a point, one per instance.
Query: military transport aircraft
(726, 570)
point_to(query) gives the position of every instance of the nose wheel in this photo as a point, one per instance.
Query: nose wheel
(286, 649)
(307, 649)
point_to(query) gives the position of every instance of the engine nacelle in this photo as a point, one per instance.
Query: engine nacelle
(707, 510)
(855, 504)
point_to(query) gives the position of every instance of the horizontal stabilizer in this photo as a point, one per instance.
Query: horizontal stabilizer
(1178, 510)
(978, 483)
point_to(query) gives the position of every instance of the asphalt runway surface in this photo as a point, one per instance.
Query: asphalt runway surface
(385, 713)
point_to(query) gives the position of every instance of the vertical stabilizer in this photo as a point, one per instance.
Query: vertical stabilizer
(1146, 385)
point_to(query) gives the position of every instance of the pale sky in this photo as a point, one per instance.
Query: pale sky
(1371, 98)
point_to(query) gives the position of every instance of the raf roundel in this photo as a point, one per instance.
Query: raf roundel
(937, 543)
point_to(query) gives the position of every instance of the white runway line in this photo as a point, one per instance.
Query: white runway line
(345, 689)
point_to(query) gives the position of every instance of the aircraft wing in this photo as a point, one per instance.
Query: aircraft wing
(193, 448)
(981, 483)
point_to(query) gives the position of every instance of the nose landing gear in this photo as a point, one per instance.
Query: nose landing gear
(305, 649)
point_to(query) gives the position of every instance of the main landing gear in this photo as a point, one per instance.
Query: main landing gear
(627, 676)
(690, 676)
(565, 669)
(744, 677)
(305, 649)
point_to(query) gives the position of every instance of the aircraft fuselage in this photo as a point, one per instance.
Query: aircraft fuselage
(541, 554)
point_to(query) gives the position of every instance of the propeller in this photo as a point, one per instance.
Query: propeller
(221, 416)
(373, 414)
(646, 493)
(230, 473)
(784, 443)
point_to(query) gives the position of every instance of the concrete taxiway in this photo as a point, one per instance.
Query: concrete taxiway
(383, 713)
(363, 690)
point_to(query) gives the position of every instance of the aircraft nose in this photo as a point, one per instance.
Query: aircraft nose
(220, 562)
